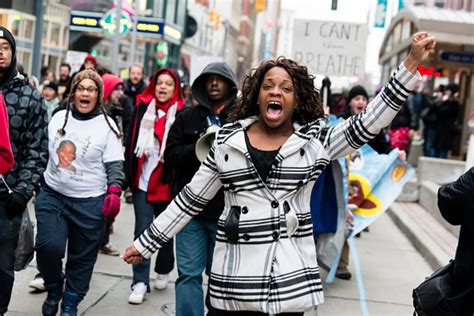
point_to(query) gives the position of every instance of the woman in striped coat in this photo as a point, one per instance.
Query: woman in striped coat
(267, 162)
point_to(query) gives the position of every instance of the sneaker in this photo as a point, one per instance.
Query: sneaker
(109, 250)
(161, 281)
(38, 284)
(138, 293)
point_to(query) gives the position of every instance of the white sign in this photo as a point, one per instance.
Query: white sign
(75, 59)
(330, 48)
(198, 63)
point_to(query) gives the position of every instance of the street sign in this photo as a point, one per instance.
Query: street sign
(108, 22)
(330, 48)
(380, 13)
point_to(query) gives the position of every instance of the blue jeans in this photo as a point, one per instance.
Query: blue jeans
(80, 223)
(194, 249)
(8, 242)
(145, 212)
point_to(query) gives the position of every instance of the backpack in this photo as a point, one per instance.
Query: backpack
(436, 295)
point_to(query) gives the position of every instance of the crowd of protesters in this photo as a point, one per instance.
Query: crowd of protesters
(90, 138)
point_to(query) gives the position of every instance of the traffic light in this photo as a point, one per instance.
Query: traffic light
(161, 53)
(259, 6)
(218, 21)
(212, 16)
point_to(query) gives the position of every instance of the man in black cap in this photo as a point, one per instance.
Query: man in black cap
(29, 140)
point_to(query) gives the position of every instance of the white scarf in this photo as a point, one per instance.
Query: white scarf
(147, 142)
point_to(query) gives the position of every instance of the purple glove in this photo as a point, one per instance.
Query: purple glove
(112, 201)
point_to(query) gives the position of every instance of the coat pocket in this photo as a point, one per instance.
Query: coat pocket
(231, 227)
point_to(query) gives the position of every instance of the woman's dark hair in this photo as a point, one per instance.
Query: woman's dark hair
(308, 103)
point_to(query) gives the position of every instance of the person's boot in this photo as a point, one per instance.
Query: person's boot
(50, 305)
(69, 304)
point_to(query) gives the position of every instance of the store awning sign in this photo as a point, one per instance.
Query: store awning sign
(85, 21)
(148, 27)
(461, 58)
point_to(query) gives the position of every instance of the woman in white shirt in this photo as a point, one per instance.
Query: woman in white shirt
(82, 186)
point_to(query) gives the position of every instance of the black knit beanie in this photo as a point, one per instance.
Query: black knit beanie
(5, 34)
(355, 91)
(11, 70)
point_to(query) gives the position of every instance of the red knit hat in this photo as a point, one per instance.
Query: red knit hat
(91, 58)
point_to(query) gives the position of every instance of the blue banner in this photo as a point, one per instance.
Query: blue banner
(375, 181)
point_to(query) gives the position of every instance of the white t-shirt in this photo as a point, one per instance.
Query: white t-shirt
(76, 160)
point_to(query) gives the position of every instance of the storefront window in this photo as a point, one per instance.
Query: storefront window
(44, 38)
(181, 13)
(55, 34)
(406, 30)
(65, 43)
(170, 11)
(397, 32)
(29, 28)
(16, 26)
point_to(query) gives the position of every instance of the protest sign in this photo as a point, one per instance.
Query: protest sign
(330, 48)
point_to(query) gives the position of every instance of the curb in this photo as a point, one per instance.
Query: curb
(426, 246)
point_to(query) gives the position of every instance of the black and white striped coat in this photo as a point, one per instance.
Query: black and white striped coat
(256, 265)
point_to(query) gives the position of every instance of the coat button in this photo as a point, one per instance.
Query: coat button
(245, 210)
(302, 152)
(226, 157)
(231, 186)
(275, 235)
(300, 183)
(275, 204)
(246, 237)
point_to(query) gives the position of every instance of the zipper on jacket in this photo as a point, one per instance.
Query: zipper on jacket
(10, 191)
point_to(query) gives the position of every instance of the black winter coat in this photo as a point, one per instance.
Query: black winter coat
(28, 134)
(180, 154)
(456, 203)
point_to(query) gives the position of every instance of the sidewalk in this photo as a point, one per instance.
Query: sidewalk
(389, 263)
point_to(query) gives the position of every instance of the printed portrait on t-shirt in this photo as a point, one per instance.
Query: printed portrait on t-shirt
(66, 155)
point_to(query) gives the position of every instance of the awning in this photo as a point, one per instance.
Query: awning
(453, 27)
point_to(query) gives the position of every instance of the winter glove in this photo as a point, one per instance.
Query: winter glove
(16, 205)
(112, 201)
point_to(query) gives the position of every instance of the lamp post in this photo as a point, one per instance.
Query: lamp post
(116, 41)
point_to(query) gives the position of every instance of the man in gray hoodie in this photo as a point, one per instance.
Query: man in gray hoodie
(215, 89)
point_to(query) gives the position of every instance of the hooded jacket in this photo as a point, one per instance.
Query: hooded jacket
(120, 111)
(189, 125)
(6, 155)
(28, 130)
(158, 187)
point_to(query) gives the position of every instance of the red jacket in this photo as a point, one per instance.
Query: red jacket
(6, 155)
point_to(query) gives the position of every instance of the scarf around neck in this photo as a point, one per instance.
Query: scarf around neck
(158, 118)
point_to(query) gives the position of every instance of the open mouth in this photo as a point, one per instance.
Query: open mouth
(274, 109)
(162, 93)
(84, 102)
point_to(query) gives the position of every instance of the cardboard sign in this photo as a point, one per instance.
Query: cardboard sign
(330, 48)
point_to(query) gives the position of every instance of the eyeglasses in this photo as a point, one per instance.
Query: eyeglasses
(5, 48)
(81, 89)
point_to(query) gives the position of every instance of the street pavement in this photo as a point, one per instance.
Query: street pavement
(389, 264)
